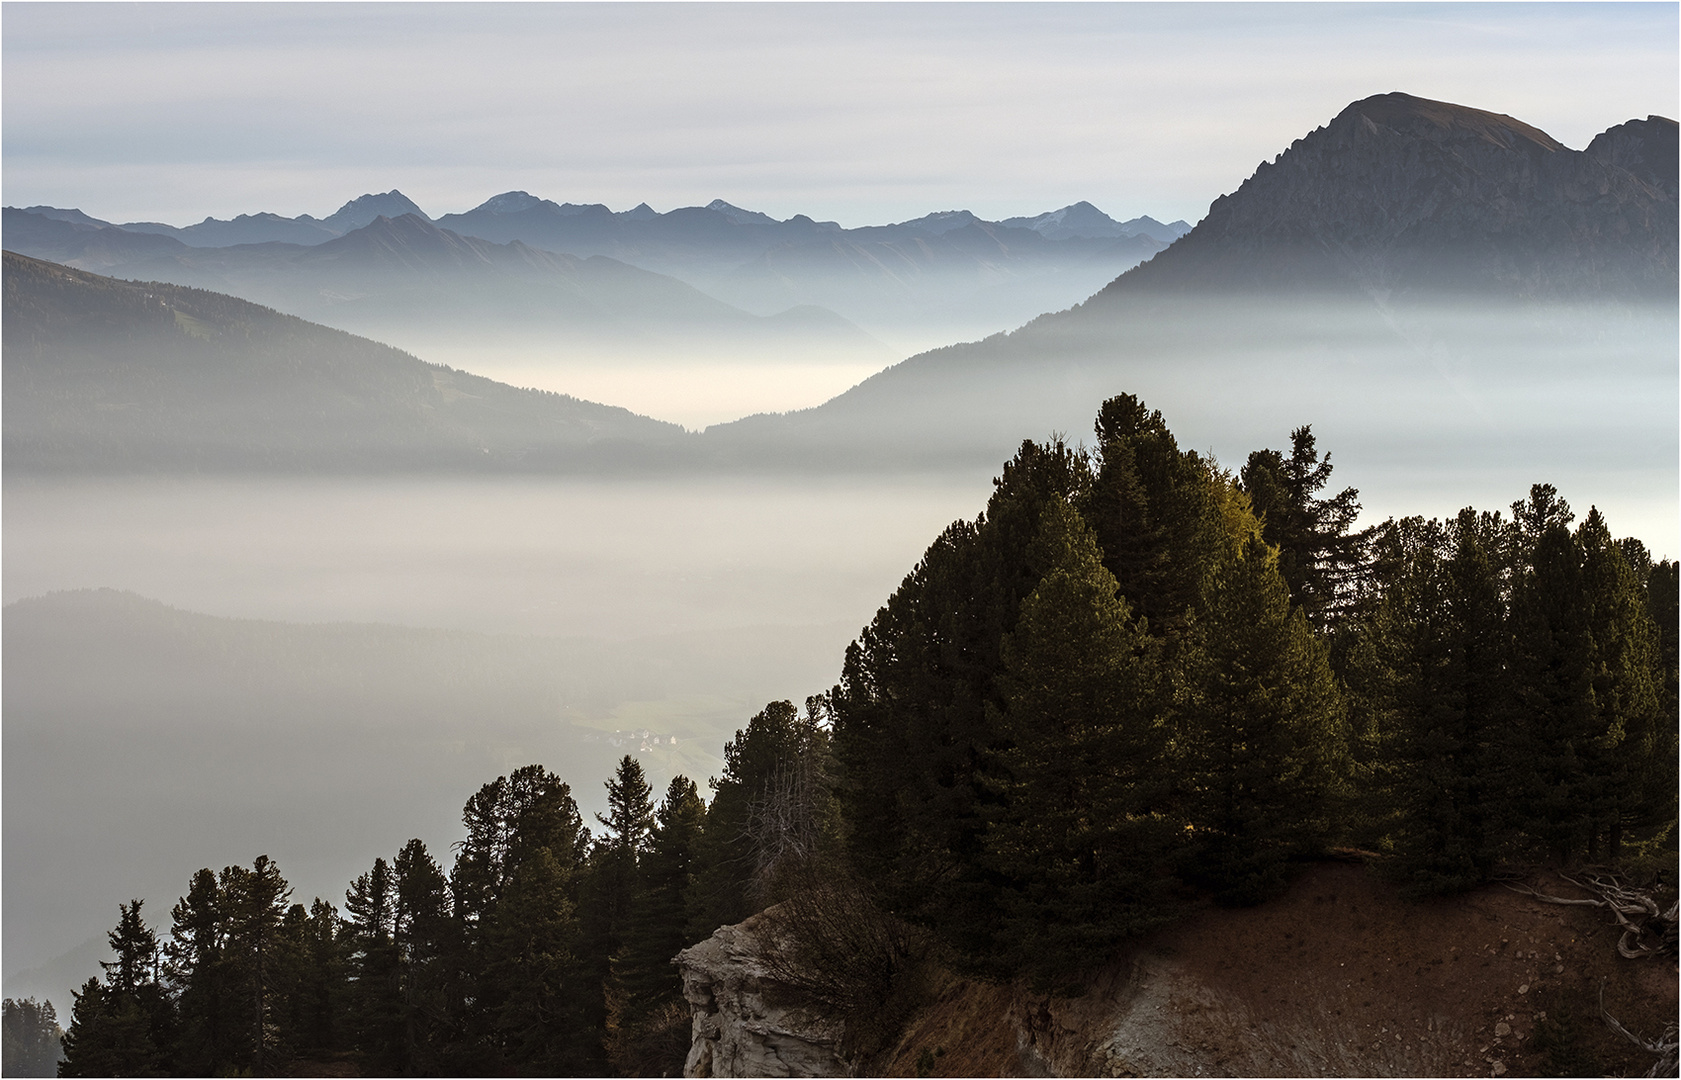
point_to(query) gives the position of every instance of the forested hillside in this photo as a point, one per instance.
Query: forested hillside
(1135, 685)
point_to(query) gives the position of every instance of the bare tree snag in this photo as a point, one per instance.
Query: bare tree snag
(1648, 930)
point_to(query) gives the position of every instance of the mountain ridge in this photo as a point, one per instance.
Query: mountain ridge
(1399, 194)
(1387, 217)
(104, 375)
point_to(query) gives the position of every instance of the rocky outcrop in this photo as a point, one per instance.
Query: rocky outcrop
(745, 1022)
(1338, 977)
(1400, 195)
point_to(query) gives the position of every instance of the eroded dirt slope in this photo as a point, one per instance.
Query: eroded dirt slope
(1338, 977)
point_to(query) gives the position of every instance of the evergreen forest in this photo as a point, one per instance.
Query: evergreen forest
(1137, 683)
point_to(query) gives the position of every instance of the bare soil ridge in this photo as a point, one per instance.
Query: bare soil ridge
(1338, 977)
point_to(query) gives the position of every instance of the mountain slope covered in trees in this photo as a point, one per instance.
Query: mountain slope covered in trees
(1117, 694)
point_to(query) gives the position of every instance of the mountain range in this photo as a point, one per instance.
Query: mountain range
(1410, 265)
(410, 282)
(919, 281)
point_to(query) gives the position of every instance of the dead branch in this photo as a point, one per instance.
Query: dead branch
(1647, 929)
(1665, 1045)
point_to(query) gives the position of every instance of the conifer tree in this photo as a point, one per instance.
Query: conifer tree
(1659, 785)
(537, 990)
(1318, 555)
(32, 1038)
(199, 977)
(1080, 840)
(1261, 732)
(1438, 679)
(1552, 745)
(913, 732)
(628, 824)
(1623, 741)
(648, 1022)
(311, 989)
(1162, 526)
(122, 1028)
(525, 999)
(427, 944)
(254, 903)
(376, 999)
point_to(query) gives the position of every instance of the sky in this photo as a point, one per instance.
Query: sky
(862, 114)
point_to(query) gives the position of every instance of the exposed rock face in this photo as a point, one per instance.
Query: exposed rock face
(744, 1024)
(1399, 194)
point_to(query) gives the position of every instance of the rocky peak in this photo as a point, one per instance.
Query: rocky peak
(1647, 149)
(1441, 122)
(363, 209)
(509, 202)
(1399, 194)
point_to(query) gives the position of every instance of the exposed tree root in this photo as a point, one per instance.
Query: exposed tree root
(1648, 930)
(1664, 1045)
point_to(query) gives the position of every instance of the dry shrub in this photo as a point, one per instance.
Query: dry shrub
(840, 956)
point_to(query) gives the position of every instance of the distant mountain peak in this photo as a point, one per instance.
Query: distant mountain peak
(363, 209)
(941, 221)
(74, 217)
(1438, 120)
(738, 215)
(639, 212)
(1082, 220)
(509, 202)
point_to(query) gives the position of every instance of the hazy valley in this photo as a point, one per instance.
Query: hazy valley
(315, 525)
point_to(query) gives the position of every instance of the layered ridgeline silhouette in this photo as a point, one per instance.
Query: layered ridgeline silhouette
(944, 271)
(1432, 280)
(404, 280)
(111, 375)
(1414, 270)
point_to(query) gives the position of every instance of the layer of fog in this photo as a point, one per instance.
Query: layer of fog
(679, 386)
(1425, 409)
(569, 622)
(698, 374)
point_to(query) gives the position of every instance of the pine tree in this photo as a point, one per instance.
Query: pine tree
(1261, 735)
(648, 1023)
(1659, 782)
(525, 998)
(628, 824)
(376, 999)
(32, 1038)
(311, 987)
(1318, 555)
(1162, 526)
(1553, 667)
(538, 991)
(254, 903)
(913, 734)
(1438, 678)
(1625, 692)
(730, 884)
(122, 1028)
(427, 943)
(198, 976)
(1080, 838)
